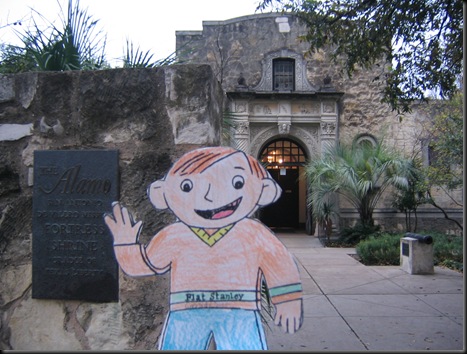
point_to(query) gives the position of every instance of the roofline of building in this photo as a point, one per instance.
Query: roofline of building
(234, 20)
(248, 17)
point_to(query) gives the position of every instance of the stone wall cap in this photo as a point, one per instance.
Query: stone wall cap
(248, 17)
(188, 33)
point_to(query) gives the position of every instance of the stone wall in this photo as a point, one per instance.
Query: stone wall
(151, 116)
(237, 47)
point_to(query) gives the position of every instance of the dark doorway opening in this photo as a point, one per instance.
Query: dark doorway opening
(284, 212)
(283, 158)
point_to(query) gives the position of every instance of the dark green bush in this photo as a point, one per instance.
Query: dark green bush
(448, 251)
(384, 249)
(351, 236)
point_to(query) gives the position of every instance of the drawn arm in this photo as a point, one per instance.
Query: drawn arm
(283, 279)
(289, 315)
(129, 253)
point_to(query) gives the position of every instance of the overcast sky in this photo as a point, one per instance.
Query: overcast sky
(149, 24)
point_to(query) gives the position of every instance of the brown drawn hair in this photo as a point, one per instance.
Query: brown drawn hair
(196, 161)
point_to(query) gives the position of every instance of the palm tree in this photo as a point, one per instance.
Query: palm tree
(77, 45)
(324, 217)
(358, 172)
(137, 58)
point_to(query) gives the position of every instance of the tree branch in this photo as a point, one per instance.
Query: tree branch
(446, 216)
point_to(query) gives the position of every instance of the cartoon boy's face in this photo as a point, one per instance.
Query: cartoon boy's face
(221, 193)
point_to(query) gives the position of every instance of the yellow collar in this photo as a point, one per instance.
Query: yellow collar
(210, 240)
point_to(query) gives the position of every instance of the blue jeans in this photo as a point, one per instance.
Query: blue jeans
(232, 329)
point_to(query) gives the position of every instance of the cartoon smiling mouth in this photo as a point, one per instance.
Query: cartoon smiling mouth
(221, 212)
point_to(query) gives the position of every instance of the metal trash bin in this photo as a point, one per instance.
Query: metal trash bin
(416, 254)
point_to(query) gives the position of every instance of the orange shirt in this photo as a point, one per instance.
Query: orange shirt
(224, 275)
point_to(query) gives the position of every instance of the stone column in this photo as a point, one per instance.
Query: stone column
(241, 126)
(328, 139)
(242, 135)
(328, 135)
(328, 125)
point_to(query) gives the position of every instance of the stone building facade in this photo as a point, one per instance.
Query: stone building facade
(288, 102)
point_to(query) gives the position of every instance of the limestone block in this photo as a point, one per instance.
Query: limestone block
(194, 108)
(39, 325)
(283, 23)
(11, 132)
(26, 89)
(103, 326)
(14, 282)
(36, 142)
(7, 91)
(416, 257)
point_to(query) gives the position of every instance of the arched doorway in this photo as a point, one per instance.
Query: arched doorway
(284, 159)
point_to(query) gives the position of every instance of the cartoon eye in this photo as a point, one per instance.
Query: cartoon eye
(186, 185)
(238, 182)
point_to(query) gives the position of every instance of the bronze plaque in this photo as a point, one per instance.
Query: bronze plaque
(72, 248)
(405, 249)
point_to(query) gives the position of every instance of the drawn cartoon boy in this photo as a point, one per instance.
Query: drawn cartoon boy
(216, 253)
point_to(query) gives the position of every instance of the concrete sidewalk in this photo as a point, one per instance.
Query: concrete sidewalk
(352, 307)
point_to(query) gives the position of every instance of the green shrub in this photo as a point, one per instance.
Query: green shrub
(382, 249)
(448, 251)
(351, 236)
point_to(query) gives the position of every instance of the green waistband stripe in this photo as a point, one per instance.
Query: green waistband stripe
(204, 296)
(287, 289)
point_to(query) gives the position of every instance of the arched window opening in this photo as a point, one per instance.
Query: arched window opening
(366, 140)
(282, 153)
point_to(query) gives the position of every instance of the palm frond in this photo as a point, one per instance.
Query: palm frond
(73, 46)
(358, 173)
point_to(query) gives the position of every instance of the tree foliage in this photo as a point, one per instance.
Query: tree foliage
(408, 198)
(442, 169)
(446, 145)
(15, 60)
(74, 45)
(137, 58)
(445, 170)
(422, 40)
(360, 173)
(77, 44)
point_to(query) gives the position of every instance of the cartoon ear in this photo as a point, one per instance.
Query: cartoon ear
(156, 194)
(270, 193)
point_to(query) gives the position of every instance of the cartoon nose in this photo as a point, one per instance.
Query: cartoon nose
(208, 195)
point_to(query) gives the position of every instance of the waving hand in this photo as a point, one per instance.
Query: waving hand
(121, 225)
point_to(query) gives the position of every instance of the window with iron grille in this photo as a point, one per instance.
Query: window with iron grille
(282, 153)
(283, 74)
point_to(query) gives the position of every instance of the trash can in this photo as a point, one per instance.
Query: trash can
(416, 254)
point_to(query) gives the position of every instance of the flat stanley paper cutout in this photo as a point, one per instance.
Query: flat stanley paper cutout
(216, 252)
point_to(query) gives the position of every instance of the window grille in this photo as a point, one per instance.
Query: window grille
(282, 154)
(283, 74)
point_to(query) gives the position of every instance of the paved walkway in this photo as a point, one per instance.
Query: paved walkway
(352, 307)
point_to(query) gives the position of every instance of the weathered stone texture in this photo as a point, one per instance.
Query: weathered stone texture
(237, 46)
(151, 116)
